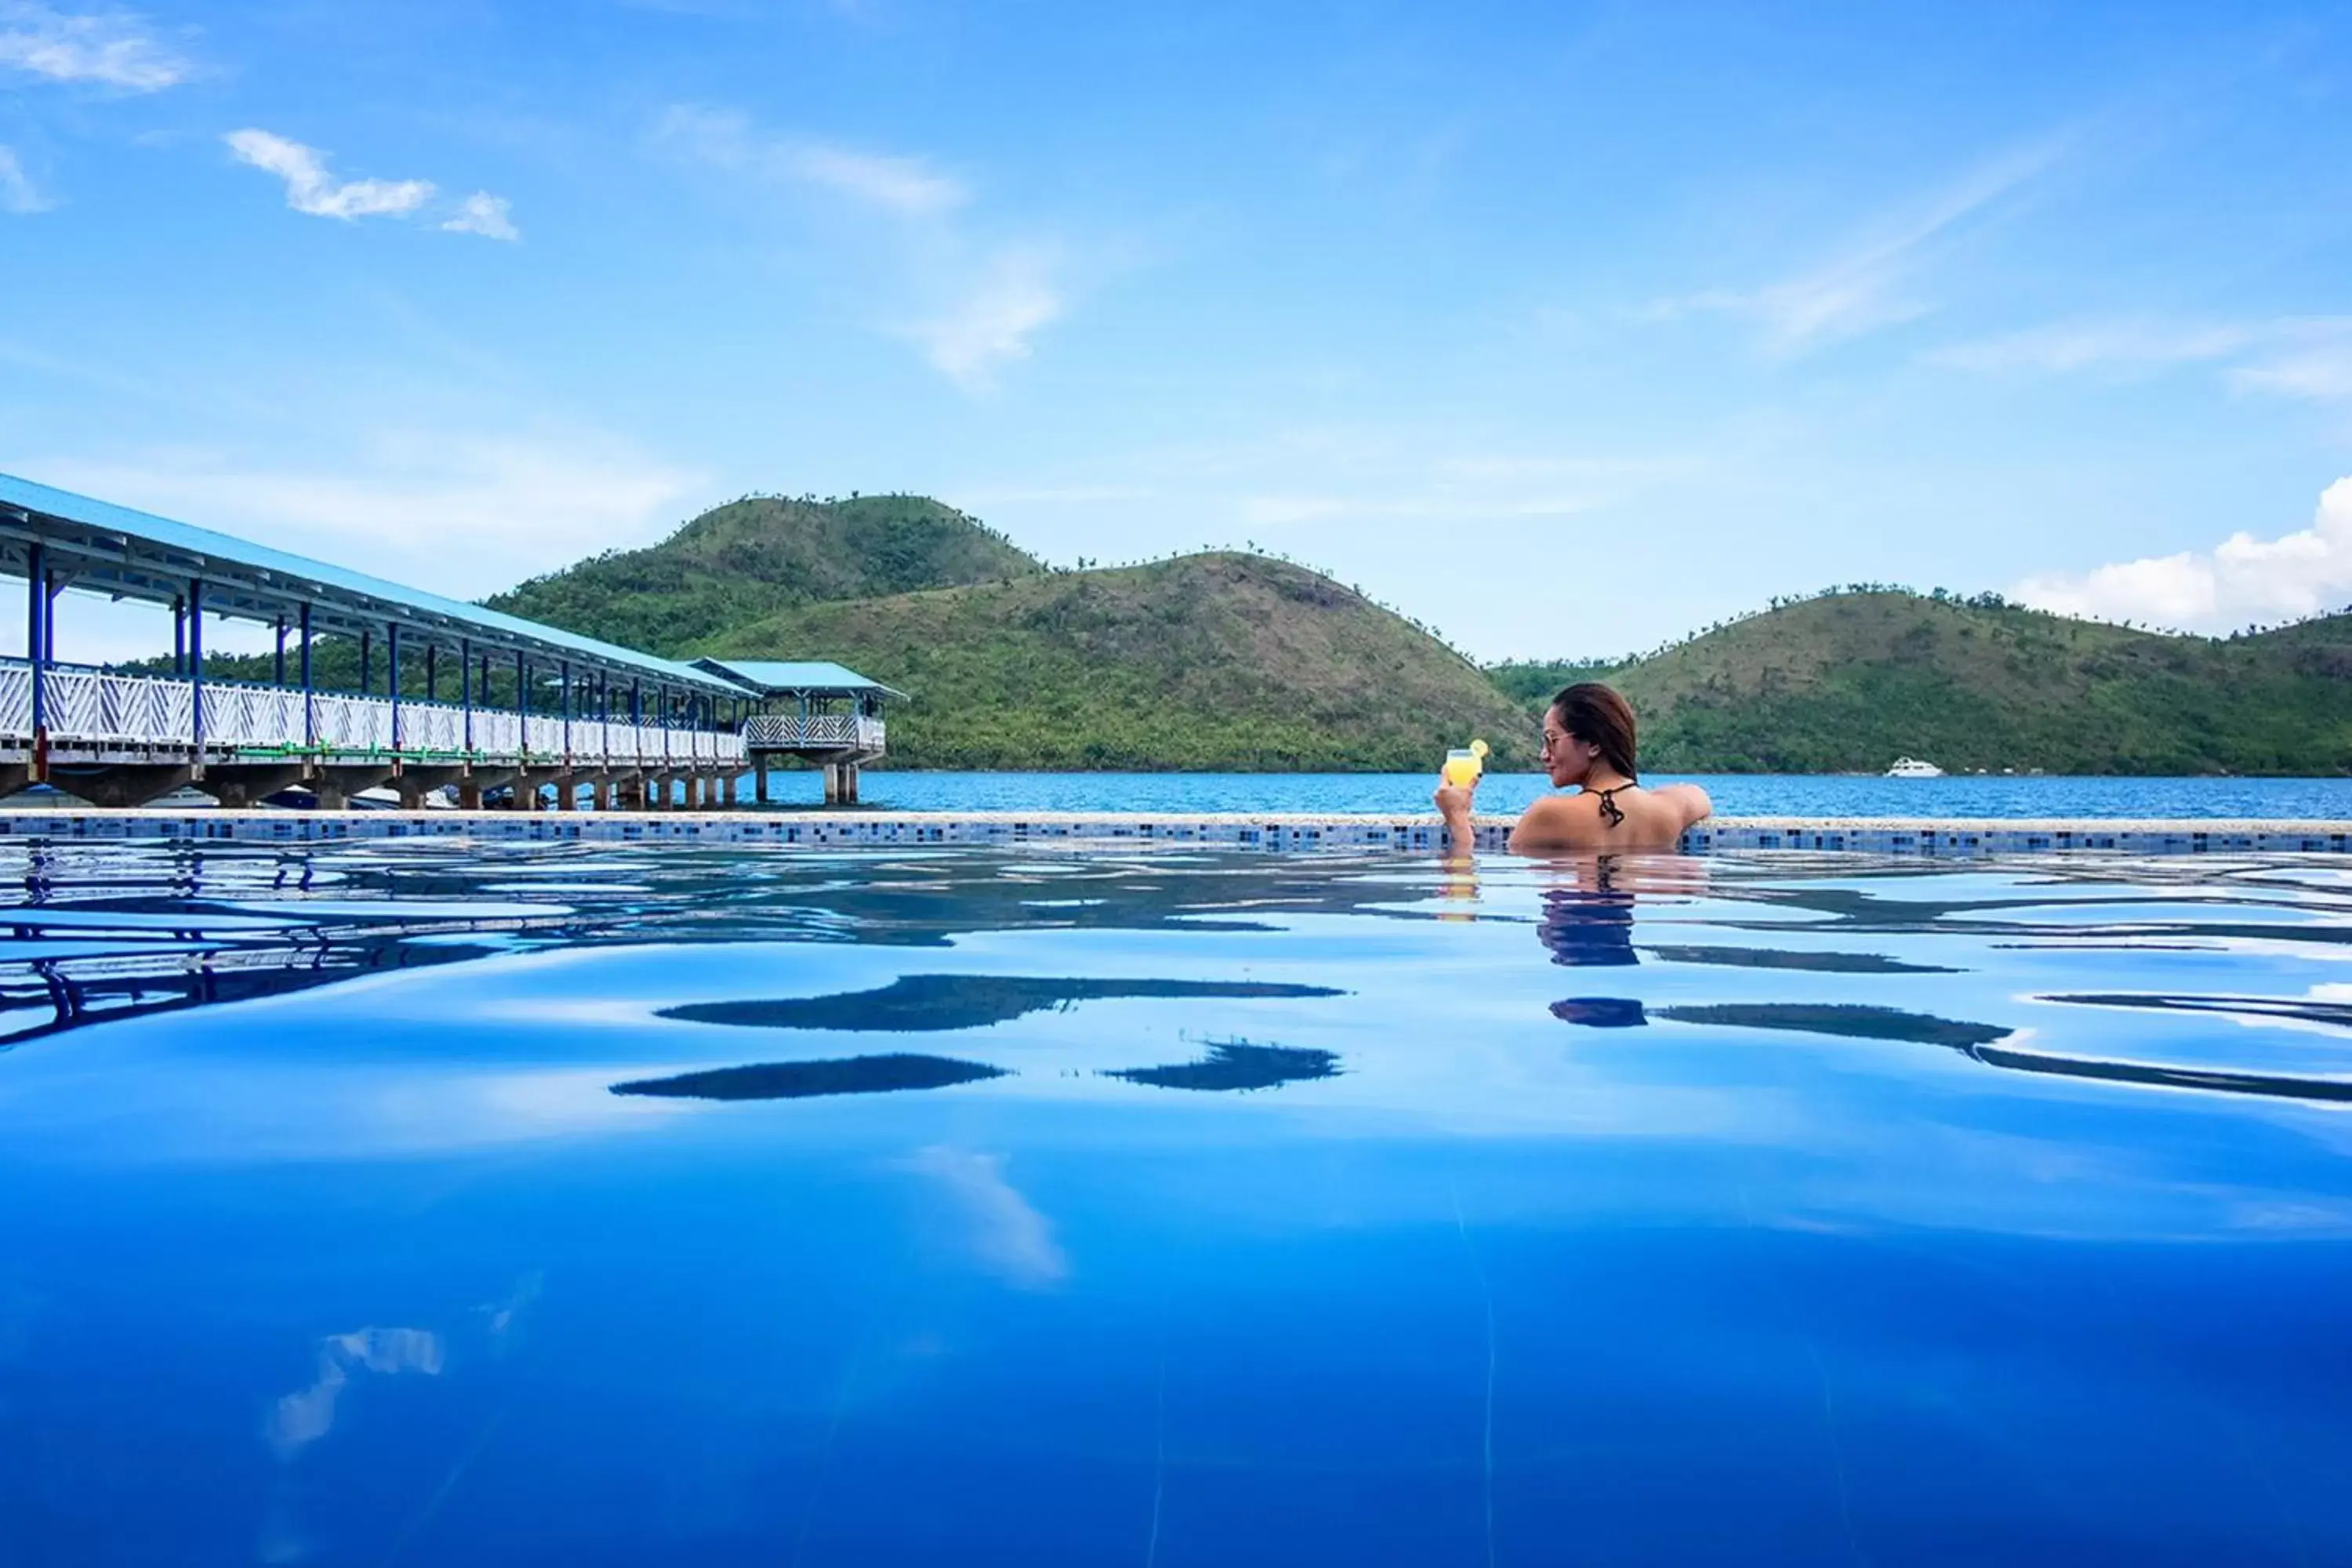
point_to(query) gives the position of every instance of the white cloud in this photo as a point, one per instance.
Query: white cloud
(309, 188)
(1861, 290)
(459, 514)
(2242, 580)
(903, 185)
(302, 1418)
(2314, 361)
(906, 186)
(2291, 356)
(112, 48)
(17, 193)
(2095, 345)
(990, 325)
(1003, 1228)
(981, 302)
(485, 214)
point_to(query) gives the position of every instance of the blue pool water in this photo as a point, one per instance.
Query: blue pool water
(392, 1203)
(1735, 795)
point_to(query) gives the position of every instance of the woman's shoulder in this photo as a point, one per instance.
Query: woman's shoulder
(1689, 798)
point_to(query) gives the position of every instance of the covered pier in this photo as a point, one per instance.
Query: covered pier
(816, 710)
(587, 721)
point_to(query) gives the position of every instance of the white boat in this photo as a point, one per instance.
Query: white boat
(1913, 768)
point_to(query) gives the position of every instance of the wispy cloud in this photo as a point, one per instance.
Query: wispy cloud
(989, 326)
(907, 187)
(2242, 580)
(2067, 346)
(523, 503)
(485, 214)
(17, 192)
(302, 1418)
(972, 307)
(1001, 1228)
(309, 188)
(1866, 286)
(111, 48)
(2291, 356)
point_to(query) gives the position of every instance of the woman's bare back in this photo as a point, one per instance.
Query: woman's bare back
(1627, 818)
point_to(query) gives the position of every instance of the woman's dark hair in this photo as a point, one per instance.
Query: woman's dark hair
(1596, 715)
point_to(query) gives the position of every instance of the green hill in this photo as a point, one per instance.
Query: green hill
(751, 558)
(1849, 681)
(1215, 661)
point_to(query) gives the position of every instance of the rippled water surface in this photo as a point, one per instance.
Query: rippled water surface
(587, 1205)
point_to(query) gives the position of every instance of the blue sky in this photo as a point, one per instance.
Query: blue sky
(1566, 329)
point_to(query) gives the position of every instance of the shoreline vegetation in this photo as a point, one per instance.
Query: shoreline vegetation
(1239, 661)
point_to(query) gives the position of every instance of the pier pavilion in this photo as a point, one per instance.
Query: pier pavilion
(814, 711)
(581, 718)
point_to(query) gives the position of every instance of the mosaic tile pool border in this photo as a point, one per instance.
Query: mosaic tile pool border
(849, 829)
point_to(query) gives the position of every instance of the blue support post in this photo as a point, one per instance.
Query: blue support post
(180, 638)
(49, 620)
(36, 568)
(392, 680)
(309, 696)
(281, 669)
(367, 662)
(565, 668)
(522, 702)
(466, 687)
(432, 673)
(196, 666)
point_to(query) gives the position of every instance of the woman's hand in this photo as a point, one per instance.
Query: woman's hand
(1456, 801)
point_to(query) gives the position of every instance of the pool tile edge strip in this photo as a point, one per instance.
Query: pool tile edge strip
(1419, 833)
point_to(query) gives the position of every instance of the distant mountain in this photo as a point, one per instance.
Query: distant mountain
(1213, 661)
(750, 558)
(1849, 681)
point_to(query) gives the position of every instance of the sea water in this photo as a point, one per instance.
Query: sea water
(1735, 795)
(415, 1203)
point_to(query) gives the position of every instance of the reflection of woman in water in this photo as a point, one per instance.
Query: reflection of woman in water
(1589, 924)
(1588, 742)
(1588, 927)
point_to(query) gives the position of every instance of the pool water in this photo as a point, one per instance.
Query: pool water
(404, 1202)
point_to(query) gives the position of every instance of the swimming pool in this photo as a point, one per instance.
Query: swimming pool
(412, 1201)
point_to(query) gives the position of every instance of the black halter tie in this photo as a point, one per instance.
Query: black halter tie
(1611, 811)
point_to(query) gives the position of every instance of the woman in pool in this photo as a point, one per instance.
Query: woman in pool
(1587, 741)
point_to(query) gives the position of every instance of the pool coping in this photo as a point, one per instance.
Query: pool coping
(1262, 830)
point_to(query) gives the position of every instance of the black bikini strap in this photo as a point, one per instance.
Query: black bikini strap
(1611, 811)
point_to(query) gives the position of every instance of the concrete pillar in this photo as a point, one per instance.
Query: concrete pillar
(832, 783)
(526, 794)
(567, 791)
(600, 795)
(696, 786)
(331, 795)
(469, 794)
(760, 779)
(849, 783)
(726, 789)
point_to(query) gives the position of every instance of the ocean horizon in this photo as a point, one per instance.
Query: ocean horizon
(1735, 795)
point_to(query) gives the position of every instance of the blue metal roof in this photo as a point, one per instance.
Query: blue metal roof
(772, 674)
(116, 548)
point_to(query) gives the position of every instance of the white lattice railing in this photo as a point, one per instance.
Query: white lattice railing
(843, 730)
(497, 734)
(432, 727)
(88, 707)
